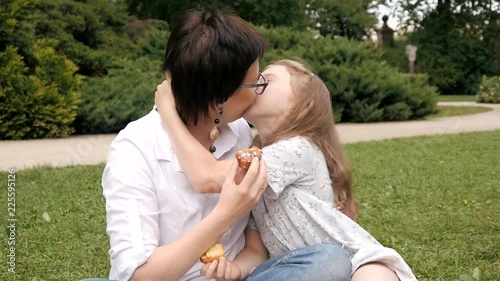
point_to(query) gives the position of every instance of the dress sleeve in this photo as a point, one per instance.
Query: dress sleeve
(131, 208)
(286, 163)
(252, 224)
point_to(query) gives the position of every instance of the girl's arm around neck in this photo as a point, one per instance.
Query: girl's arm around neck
(204, 172)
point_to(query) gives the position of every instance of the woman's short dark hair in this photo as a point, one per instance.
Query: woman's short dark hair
(208, 54)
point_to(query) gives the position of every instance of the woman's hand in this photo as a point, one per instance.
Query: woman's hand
(164, 98)
(237, 199)
(221, 270)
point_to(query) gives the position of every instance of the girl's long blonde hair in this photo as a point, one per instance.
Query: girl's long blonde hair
(311, 116)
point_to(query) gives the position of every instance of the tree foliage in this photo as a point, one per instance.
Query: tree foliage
(344, 18)
(272, 13)
(456, 41)
(329, 17)
(259, 12)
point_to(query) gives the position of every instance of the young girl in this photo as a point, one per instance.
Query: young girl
(307, 173)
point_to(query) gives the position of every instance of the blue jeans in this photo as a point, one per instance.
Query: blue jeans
(320, 262)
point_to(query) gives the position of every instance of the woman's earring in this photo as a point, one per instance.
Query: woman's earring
(214, 133)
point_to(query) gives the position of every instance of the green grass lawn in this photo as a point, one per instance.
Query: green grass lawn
(456, 98)
(433, 199)
(447, 111)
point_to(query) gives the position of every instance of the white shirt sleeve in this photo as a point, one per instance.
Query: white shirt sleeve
(131, 208)
(285, 162)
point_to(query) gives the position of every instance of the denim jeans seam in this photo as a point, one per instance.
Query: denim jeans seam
(341, 247)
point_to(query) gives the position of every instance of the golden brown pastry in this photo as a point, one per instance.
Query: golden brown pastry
(245, 156)
(214, 253)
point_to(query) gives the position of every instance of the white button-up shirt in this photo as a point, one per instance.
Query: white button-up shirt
(149, 200)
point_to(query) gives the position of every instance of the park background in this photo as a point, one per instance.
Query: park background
(90, 67)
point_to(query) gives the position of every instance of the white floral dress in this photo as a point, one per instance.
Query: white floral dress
(298, 209)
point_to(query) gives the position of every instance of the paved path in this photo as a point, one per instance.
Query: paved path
(93, 149)
(486, 121)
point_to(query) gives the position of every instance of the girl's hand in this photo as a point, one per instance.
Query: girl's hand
(221, 270)
(164, 98)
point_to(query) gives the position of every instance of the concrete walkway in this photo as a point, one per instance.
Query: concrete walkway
(93, 149)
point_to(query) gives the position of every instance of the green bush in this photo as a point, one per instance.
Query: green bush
(153, 43)
(39, 104)
(489, 91)
(125, 94)
(363, 87)
(17, 24)
(38, 86)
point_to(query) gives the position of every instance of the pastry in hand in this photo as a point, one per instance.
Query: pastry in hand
(214, 253)
(245, 156)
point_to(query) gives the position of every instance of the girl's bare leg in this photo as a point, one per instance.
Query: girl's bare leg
(374, 272)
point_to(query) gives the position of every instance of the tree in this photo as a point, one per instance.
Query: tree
(168, 10)
(344, 18)
(456, 40)
(259, 12)
(272, 13)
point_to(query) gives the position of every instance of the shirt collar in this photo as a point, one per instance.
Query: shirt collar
(228, 138)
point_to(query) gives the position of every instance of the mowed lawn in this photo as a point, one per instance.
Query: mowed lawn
(448, 111)
(456, 98)
(434, 199)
